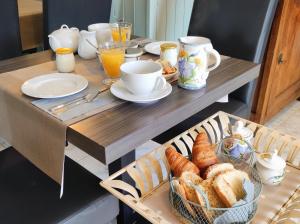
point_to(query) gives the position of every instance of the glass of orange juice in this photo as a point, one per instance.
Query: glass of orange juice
(121, 31)
(112, 56)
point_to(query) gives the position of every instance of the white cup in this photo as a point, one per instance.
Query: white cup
(142, 77)
(103, 32)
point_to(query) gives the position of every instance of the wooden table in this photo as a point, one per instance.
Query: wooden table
(31, 23)
(111, 136)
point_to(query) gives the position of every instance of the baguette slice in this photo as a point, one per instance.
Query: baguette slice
(213, 199)
(212, 196)
(180, 190)
(185, 179)
(216, 169)
(229, 186)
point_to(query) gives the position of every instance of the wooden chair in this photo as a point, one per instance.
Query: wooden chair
(236, 28)
(78, 13)
(10, 41)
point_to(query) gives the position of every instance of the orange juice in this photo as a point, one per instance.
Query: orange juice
(111, 60)
(125, 34)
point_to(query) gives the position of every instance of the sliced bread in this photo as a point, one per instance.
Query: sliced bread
(185, 179)
(180, 190)
(229, 186)
(213, 198)
(216, 169)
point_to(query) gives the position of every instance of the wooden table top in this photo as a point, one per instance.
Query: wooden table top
(111, 134)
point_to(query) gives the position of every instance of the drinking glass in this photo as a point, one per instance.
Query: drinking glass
(112, 56)
(121, 31)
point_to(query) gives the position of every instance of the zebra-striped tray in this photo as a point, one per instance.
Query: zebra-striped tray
(149, 194)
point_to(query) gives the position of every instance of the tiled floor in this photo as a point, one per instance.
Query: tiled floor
(288, 120)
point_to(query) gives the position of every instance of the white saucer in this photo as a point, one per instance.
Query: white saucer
(119, 90)
(154, 47)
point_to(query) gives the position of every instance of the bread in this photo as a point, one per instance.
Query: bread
(189, 176)
(194, 196)
(178, 163)
(203, 154)
(229, 186)
(180, 190)
(216, 169)
(213, 198)
(185, 179)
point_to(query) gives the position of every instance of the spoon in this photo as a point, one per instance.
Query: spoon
(91, 44)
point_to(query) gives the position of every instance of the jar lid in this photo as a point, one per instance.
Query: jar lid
(166, 46)
(64, 50)
(240, 129)
(271, 161)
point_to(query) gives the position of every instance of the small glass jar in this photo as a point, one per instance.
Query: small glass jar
(65, 60)
(169, 52)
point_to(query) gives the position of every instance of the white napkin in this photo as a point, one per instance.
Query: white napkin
(224, 99)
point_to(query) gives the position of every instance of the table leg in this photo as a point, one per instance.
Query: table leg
(126, 215)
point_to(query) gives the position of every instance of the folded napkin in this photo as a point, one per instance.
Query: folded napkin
(103, 101)
(240, 212)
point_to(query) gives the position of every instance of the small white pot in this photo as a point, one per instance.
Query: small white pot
(64, 37)
(271, 168)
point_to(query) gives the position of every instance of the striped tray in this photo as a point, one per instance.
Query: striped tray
(148, 195)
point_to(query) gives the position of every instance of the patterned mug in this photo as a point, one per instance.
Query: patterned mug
(193, 61)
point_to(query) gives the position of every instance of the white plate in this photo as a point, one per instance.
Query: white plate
(154, 47)
(54, 85)
(119, 90)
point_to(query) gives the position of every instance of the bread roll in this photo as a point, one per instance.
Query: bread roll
(178, 163)
(203, 154)
(216, 169)
(229, 186)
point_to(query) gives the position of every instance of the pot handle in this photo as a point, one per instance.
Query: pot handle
(217, 57)
(64, 26)
(74, 28)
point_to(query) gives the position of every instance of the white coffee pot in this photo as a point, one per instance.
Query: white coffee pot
(87, 48)
(64, 37)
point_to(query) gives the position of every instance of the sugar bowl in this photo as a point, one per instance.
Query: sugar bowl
(270, 167)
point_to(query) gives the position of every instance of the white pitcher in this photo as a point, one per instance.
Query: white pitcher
(86, 42)
(193, 61)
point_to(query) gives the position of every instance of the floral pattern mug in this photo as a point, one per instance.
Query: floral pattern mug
(193, 61)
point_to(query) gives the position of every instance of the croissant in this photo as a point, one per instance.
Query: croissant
(178, 163)
(203, 154)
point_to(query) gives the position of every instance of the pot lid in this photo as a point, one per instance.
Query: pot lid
(271, 161)
(239, 128)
